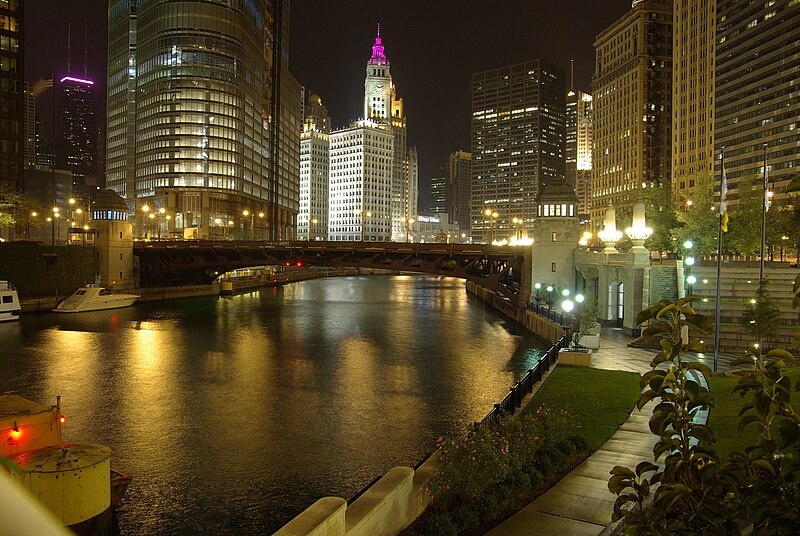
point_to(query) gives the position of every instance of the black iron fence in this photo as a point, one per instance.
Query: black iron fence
(542, 309)
(513, 399)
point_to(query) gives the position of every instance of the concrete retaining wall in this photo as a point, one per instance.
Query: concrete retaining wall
(385, 509)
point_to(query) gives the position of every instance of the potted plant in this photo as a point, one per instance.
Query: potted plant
(587, 332)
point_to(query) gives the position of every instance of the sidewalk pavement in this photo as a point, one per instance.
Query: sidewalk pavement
(580, 503)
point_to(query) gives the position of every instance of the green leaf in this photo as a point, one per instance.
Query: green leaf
(699, 322)
(764, 466)
(704, 369)
(779, 353)
(666, 310)
(744, 421)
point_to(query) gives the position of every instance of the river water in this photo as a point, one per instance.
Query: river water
(234, 414)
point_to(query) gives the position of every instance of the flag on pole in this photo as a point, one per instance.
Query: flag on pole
(723, 193)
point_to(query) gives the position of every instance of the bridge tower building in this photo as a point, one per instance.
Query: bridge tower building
(113, 241)
(556, 229)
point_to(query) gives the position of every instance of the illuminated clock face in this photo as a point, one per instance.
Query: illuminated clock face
(379, 86)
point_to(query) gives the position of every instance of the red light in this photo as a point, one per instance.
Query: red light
(62, 419)
(299, 263)
(288, 264)
(15, 434)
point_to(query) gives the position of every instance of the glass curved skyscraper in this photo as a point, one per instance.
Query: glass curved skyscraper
(203, 117)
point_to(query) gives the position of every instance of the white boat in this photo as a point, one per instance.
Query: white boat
(9, 302)
(94, 299)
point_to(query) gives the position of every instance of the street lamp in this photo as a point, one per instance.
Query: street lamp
(28, 227)
(362, 214)
(407, 222)
(252, 215)
(53, 226)
(261, 217)
(538, 297)
(518, 222)
(311, 225)
(492, 216)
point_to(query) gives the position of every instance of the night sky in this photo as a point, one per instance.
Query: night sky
(433, 46)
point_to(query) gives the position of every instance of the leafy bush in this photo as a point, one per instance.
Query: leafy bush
(482, 474)
(693, 491)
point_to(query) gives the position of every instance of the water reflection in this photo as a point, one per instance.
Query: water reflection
(234, 414)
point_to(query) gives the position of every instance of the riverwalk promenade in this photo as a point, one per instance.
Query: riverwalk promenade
(580, 503)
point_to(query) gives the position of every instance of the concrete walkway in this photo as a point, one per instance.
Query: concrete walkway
(580, 503)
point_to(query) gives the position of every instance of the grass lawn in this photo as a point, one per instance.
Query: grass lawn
(599, 401)
(724, 419)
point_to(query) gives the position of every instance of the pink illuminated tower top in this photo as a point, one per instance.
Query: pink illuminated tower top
(378, 56)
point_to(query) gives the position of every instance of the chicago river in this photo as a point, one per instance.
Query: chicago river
(234, 414)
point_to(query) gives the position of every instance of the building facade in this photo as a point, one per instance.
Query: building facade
(757, 103)
(693, 51)
(439, 197)
(632, 97)
(517, 143)
(312, 220)
(203, 116)
(459, 187)
(12, 94)
(76, 149)
(360, 184)
(578, 148)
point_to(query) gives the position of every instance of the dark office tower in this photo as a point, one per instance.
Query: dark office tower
(459, 187)
(30, 127)
(632, 96)
(203, 116)
(578, 147)
(757, 101)
(76, 148)
(12, 94)
(439, 195)
(517, 142)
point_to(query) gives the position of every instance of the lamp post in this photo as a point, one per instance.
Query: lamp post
(689, 262)
(362, 214)
(492, 216)
(230, 224)
(407, 222)
(161, 212)
(146, 209)
(538, 297)
(261, 217)
(252, 215)
(311, 224)
(57, 220)
(518, 223)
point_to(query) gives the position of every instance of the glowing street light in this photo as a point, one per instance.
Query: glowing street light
(407, 222)
(492, 216)
(368, 214)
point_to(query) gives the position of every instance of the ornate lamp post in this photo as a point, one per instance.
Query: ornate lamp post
(639, 231)
(362, 214)
(609, 234)
(261, 217)
(252, 215)
(407, 222)
(492, 216)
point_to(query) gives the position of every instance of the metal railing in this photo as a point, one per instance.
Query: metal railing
(510, 403)
(542, 309)
(513, 399)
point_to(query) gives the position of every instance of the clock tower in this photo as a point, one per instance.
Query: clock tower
(378, 84)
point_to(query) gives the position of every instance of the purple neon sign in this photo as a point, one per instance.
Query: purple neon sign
(78, 80)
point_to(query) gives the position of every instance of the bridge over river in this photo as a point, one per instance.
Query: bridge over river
(503, 269)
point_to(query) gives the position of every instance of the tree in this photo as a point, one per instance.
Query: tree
(761, 319)
(16, 209)
(744, 227)
(700, 221)
(660, 214)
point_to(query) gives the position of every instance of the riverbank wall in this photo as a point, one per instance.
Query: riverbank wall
(540, 326)
(397, 499)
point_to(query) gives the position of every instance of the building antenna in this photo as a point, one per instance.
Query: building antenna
(69, 46)
(85, 48)
(572, 74)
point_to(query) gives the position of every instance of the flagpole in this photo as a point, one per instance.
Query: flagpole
(764, 188)
(719, 262)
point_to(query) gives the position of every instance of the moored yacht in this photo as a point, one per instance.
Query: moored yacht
(94, 299)
(9, 302)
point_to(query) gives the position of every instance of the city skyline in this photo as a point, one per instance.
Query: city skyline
(328, 40)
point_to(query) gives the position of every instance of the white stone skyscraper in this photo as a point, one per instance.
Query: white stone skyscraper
(312, 219)
(372, 191)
